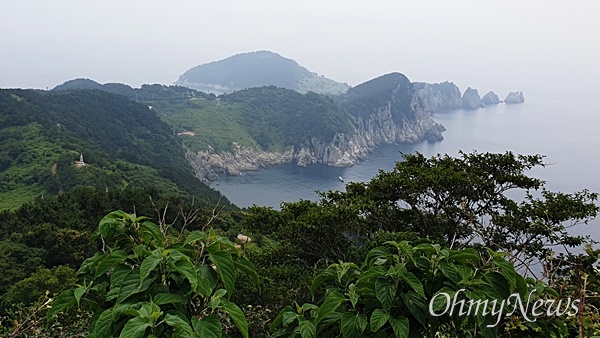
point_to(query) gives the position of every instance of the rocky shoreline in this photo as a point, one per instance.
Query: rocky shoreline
(380, 125)
(343, 150)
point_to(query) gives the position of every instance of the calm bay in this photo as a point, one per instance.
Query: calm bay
(566, 133)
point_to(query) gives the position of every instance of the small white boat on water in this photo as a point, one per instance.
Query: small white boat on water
(341, 178)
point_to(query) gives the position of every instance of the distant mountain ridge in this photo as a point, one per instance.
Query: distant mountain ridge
(257, 69)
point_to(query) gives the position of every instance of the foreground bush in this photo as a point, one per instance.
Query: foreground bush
(149, 282)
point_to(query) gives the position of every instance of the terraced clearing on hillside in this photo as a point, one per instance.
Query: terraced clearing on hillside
(214, 123)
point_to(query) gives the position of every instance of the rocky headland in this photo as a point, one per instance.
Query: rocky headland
(394, 113)
(447, 96)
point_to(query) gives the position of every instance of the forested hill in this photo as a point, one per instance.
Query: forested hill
(124, 143)
(257, 69)
(268, 118)
(361, 100)
(146, 93)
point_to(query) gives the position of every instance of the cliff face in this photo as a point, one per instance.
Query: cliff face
(393, 113)
(471, 99)
(490, 99)
(439, 96)
(514, 97)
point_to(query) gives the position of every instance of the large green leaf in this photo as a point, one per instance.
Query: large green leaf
(109, 261)
(307, 328)
(111, 224)
(179, 323)
(135, 328)
(243, 264)
(414, 283)
(167, 298)
(236, 314)
(377, 256)
(150, 263)
(104, 326)
(281, 318)
(65, 300)
(417, 306)
(195, 236)
(465, 255)
(225, 268)
(372, 273)
(208, 327)
(353, 325)
(321, 278)
(78, 293)
(124, 283)
(186, 269)
(400, 326)
(385, 293)
(91, 262)
(150, 231)
(404, 247)
(378, 319)
(331, 303)
(507, 270)
(500, 287)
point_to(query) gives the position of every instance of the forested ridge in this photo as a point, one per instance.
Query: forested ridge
(123, 142)
(364, 262)
(269, 118)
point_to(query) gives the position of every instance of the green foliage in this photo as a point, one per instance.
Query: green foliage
(30, 321)
(389, 295)
(270, 118)
(149, 282)
(457, 200)
(17, 262)
(394, 88)
(124, 144)
(57, 230)
(44, 281)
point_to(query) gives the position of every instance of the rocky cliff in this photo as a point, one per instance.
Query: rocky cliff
(384, 110)
(514, 97)
(490, 99)
(471, 99)
(439, 96)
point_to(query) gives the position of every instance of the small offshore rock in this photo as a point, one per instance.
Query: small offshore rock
(490, 99)
(514, 97)
(471, 99)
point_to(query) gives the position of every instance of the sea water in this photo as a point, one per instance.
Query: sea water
(567, 133)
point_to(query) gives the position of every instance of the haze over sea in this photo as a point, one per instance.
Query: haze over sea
(563, 128)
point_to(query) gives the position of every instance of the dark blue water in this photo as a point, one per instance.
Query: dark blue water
(565, 132)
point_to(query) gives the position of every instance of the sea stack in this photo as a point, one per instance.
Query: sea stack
(471, 99)
(514, 97)
(490, 99)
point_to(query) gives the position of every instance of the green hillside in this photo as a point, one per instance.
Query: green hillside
(124, 143)
(376, 93)
(267, 117)
(257, 69)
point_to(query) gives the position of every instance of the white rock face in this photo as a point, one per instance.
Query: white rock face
(439, 96)
(471, 99)
(490, 99)
(514, 97)
(343, 150)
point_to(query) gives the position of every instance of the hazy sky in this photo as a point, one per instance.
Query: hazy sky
(498, 45)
